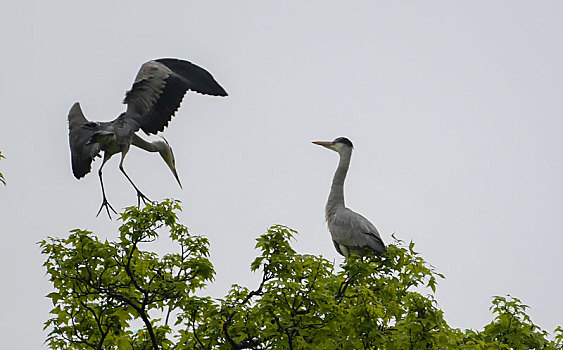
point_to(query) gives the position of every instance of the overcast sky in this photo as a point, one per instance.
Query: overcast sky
(454, 109)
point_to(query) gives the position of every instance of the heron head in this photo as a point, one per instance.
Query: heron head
(337, 144)
(166, 153)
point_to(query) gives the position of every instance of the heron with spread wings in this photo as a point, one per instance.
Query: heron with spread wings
(351, 232)
(156, 95)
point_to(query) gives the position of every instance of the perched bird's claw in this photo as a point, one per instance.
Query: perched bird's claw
(141, 196)
(108, 206)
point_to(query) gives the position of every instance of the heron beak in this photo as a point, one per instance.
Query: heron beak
(176, 176)
(169, 159)
(326, 144)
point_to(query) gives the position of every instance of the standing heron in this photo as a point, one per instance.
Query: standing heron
(156, 95)
(350, 231)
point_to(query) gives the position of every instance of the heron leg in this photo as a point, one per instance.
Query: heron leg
(105, 202)
(140, 195)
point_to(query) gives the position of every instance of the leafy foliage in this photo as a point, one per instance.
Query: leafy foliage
(101, 287)
(512, 328)
(301, 302)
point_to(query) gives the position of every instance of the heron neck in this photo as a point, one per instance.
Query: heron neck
(146, 145)
(336, 196)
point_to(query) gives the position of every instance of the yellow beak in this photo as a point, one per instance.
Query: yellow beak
(326, 144)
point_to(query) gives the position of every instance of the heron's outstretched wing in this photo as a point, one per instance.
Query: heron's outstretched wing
(353, 230)
(159, 89)
(80, 134)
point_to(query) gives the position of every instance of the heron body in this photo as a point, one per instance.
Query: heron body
(351, 232)
(156, 95)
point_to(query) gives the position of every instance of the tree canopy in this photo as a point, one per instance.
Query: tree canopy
(122, 295)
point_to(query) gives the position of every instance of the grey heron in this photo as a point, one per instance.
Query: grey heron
(350, 231)
(156, 94)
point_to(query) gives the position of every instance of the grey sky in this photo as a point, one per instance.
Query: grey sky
(454, 110)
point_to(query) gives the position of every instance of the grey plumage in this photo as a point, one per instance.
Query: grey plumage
(155, 96)
(350, 231)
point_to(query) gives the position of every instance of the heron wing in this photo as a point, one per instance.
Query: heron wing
(337, 246)
(81, 149)
(353, 230)
(159, 88)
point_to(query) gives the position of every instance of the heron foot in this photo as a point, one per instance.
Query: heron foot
(108, 206)
(141, 196)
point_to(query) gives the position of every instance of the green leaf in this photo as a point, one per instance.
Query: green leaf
(124, 293)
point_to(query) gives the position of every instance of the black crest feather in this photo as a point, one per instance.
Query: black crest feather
(344, 140)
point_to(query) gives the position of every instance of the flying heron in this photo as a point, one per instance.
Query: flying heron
(350, 231)
(156, 95)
